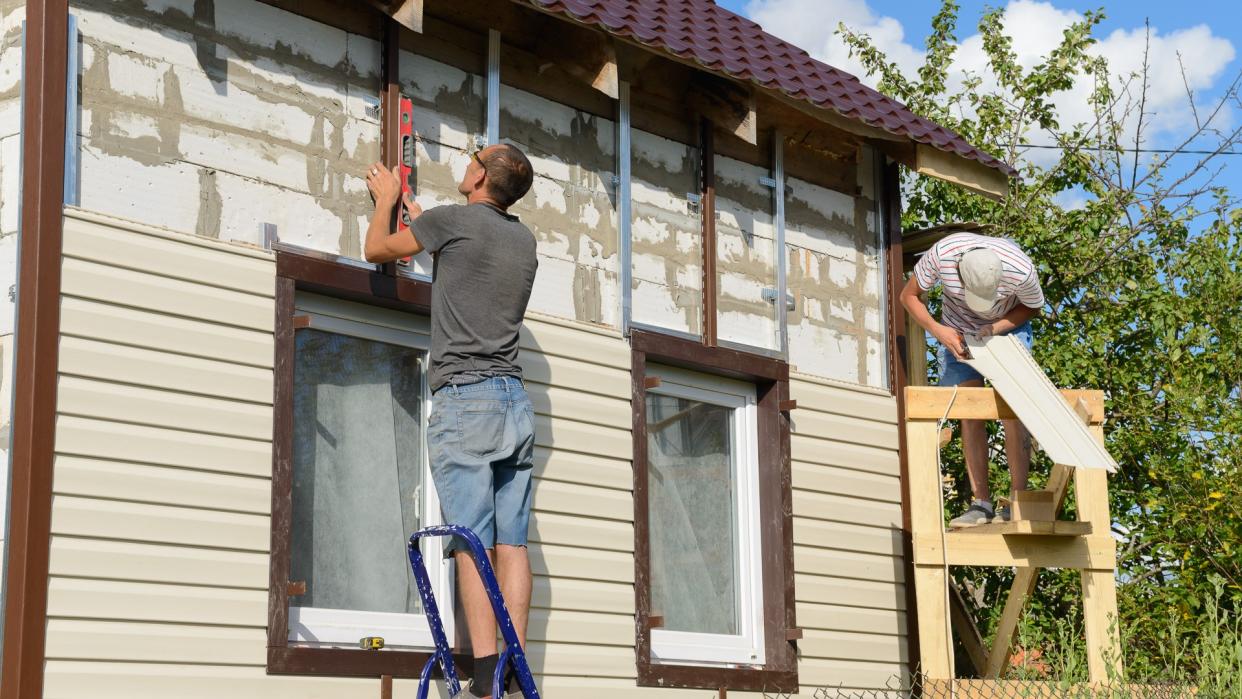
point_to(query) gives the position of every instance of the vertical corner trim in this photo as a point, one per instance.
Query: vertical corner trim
(493, 87)
(624, 211)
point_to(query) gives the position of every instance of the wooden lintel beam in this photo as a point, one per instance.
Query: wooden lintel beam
(1095, 552)
(728, 105)
(584, 54)
(407, 13)
(930, 403)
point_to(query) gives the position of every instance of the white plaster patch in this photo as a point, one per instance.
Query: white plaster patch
(131, 125)
(245, 205)
(169, 45)
(269, 27)
(10, 186)
(13, 19)
(132, 76)
(659, 198)
(871, 319)
(554, 118)
(654, 304)
(8, 277)
(364, 55)
(741, 287)
(161, 195)
(443, 129)
(591, 215)
(253, 158)
(549, 167)
(823, 352)
(841, 308)
(10, 66)
(549, 193)
(240, 107)
(842, 272)
(747, 329)
(659, 151)
(877, 371)
(361, 140)
(10, 118)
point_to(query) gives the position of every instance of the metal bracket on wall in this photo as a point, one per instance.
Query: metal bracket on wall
(769, 182)
(694, 202)
(269, 235)
(770, 295)
(12, 293)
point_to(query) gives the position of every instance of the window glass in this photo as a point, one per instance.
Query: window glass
(357, 472)
(694, 551)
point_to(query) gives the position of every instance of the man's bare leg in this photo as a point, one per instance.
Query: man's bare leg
(975, 449)
(1018, 453)
(480, 621)
(513, 569)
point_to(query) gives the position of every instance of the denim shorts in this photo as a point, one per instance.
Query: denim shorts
(481, 439)
(954, 372)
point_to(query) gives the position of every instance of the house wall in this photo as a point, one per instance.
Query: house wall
(160, 520)
(12, 13)
(220, 117)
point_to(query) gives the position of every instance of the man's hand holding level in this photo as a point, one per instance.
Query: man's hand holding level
(385, 186)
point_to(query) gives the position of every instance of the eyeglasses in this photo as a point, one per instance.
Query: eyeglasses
(475, 154)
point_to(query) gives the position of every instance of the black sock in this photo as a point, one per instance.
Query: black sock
(484, 671)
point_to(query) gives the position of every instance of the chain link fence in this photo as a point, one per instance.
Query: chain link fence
(919, 688)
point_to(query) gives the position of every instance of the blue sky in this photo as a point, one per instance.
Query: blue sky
(1206, 33)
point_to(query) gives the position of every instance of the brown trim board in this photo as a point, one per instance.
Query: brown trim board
(707, 211)
(38, 327)
(898, 347)
(779, 672)
(324, 274)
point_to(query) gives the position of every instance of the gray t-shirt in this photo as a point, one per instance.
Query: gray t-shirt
(481, 280)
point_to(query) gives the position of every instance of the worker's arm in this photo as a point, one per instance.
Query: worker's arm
(918, 310)
(1011, 320)
(382, 243)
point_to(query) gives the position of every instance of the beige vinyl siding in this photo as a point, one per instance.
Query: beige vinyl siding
(849, 574)
(161, 503)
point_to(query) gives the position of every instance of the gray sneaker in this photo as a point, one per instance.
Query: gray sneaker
(972, 517)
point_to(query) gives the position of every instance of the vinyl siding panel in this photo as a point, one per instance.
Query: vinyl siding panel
(849, 575)
(162, 493)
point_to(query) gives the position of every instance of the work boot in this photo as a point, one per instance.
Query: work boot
(976, 514)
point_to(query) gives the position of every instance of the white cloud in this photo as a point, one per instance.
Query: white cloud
(1036, 27)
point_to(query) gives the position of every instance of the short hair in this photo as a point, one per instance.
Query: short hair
(509, 174)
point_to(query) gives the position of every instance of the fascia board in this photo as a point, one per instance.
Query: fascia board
(1037, 402)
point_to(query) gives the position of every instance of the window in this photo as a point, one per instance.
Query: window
(360, 482)
(713, 566)
(350, 478)
(703, 505)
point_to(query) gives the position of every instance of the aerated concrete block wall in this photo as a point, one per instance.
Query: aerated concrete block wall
(12, 14)
(217, 116)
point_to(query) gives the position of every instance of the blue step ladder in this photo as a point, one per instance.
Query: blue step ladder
(443, 656)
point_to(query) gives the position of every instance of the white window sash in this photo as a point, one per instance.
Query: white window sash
(345, 627)
(747, 647)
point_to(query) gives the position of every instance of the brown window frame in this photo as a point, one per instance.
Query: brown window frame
(297, 270)
(771, 378)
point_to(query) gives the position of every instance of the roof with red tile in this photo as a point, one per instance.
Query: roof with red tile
(723, 42)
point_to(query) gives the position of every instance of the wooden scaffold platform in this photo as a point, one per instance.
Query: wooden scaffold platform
(1085, 544)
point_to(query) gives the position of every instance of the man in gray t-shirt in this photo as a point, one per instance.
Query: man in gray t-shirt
(481, 432)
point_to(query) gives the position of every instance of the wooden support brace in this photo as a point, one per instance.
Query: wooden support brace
(583, 54)
(652, 382)
(787, 405)
(966, 629)
(408, 13)
(296, 588)
(301, 322)
(385, 686)
(794, 634)
(730, 106)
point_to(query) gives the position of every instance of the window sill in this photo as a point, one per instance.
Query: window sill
(346, 662)
(738, 679)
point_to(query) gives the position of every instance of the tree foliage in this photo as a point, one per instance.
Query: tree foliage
(1143, 279)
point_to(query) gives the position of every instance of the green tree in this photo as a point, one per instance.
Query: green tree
(1144, 288)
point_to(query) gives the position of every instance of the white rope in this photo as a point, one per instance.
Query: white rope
(944, 548)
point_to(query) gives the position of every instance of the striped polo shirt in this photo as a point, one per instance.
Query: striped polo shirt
(1018, 284)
